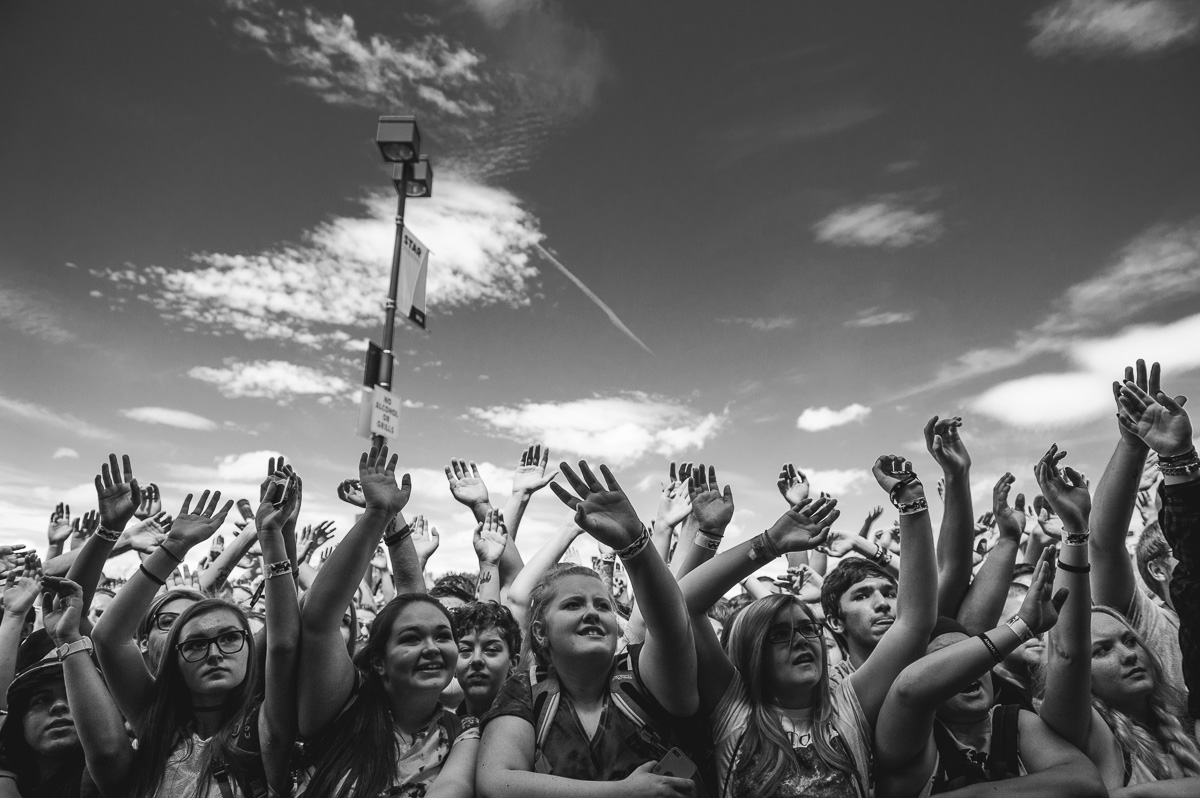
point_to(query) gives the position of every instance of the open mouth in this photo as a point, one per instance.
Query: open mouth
(804, 659)
(972, 688)
(592, 631)
(431, 667)
(885, 621)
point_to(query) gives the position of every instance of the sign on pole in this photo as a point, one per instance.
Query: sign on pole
(414, 267)
(385, 413)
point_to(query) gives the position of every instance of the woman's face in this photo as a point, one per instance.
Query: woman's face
(970, 704)
(421, 652)
(484, 662)
(47, 722)
(579, 620)
(160, 628)
(221, 668)
(1120, 671)
(795, 661)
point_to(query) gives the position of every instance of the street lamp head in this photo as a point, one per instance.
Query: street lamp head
(398, 139)
(413, 179)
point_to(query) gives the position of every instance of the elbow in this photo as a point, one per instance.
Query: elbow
(1082, 780)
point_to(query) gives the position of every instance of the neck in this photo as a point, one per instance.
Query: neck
(975, 733)
(858, 652)
(585, 680)
(476, 707)
(1137, 708)
(796, 698)
(413, 711)
(208, 718)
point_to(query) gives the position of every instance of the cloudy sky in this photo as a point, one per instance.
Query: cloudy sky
(790, 232)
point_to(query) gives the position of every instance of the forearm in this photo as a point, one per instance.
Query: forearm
(10, 642)
(878, 555)
(489, 582)
(954, 544)
(1076, 779)
(88, 567)
(510, 561)
(334, 586)
(660, 539)
(687, 539)
(1034, 547)
(119, 623)
(60, 565)
(407, 575)
(937, 677)
(1112, 507)
(1169, 788)
(522, 586)
(282, 640)
(98, 722)
(984, 601)
(492, 783)
(699, 551)
(1067, 707)
(212, 577)
(704, 587)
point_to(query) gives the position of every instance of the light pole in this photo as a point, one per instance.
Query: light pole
(399, 143)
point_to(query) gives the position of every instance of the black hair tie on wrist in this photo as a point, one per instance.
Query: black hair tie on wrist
(1075, 569)
(152, 577)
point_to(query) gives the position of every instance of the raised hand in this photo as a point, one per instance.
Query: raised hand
(425, 538)
(1066, 491)
(792, 484)
(278, 502)
(314, 538)
(838, 544)
(1155, 418)
(22, 585)
(1041, 606)
(712, 507)
(151, 503)
(62, 607)
(603, 511)
(1010, 521)
(466, 486)
(192, 528)
(60, 524)
(146, 535)
(1151, 473)
(80, 531)
(895, 475)
(491, 536)
(13, 556)
(675, 502)
(350, 491)
(117, 492)
(530, 476)
(377, 475)
(804, 526)
(946, 445)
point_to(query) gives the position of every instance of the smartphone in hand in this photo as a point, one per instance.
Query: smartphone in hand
(675, 763)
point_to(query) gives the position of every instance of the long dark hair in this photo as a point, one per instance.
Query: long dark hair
(18, 756)
(170, 721)
(360, 749)
(765, 751)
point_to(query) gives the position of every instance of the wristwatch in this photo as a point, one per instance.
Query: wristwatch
(67, 649)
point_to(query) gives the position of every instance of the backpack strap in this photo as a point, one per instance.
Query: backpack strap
(1004, 755)
(954, 768)
(546, 697)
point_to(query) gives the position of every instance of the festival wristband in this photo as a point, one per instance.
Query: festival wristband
(636, 547)
(913, 507)
(111, 535)
(281, 568)
(1020, 628)
(764, 548)
(705, 541)
(1076, 538)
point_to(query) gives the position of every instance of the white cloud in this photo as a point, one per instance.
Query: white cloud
(873, 317)
(64, 422)
(764, 324)
(31, 315)
(64, 451)
(479, 237)
(273, 379)
(1114, 27)
(884, 222)
(815, 419)
(170, 418)
(1173, 345)
(837, 481)
(1045, 401)
(615, 429)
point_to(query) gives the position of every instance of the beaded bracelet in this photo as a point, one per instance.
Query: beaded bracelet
(991, 647)
(636, 547)
(111, 535)
(1180, 465)
(1176, 459)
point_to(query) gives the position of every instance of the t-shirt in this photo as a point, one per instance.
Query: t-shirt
(181, 777)
(839, 672)
(1159, 627)
(611, 754)
(976, 756)
(812, 778)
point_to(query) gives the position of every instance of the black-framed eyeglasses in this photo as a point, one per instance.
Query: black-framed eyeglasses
(197, 648)
(163, 621)
(786, 634)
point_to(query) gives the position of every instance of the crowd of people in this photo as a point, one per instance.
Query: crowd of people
(1031, 651)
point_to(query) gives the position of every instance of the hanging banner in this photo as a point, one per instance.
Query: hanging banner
(414, 266)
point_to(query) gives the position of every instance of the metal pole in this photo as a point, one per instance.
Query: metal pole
(389, 324)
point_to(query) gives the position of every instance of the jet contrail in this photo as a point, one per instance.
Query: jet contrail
(620, 325)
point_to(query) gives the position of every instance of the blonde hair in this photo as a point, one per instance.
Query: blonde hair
(534, 649)
(1157, 740)
(765, 749)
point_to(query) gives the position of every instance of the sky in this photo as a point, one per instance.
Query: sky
(739, 234)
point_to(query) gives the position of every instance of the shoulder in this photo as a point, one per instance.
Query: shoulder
(732, 710)
(515, 698)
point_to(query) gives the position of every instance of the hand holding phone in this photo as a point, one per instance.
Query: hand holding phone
(675, 763)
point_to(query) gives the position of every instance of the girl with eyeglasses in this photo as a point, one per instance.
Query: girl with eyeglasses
(191, 716)
(780, 731)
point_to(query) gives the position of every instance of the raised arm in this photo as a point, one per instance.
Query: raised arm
(98, 722)
(131, 684)
(326, 674)
(668, 659)
(21, 588)
(490, 540)
(904, 735)
(221, 566)
(1067, 707)
(954, 541)
(984, 602)
(801, 528)
(520, 590)
(917, 602)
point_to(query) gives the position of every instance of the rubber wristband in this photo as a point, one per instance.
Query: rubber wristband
(399, 536)
(1075, 569)
(152, 577)
(1176, 459)
(170, 553)
(991, 647)
(709, 542)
